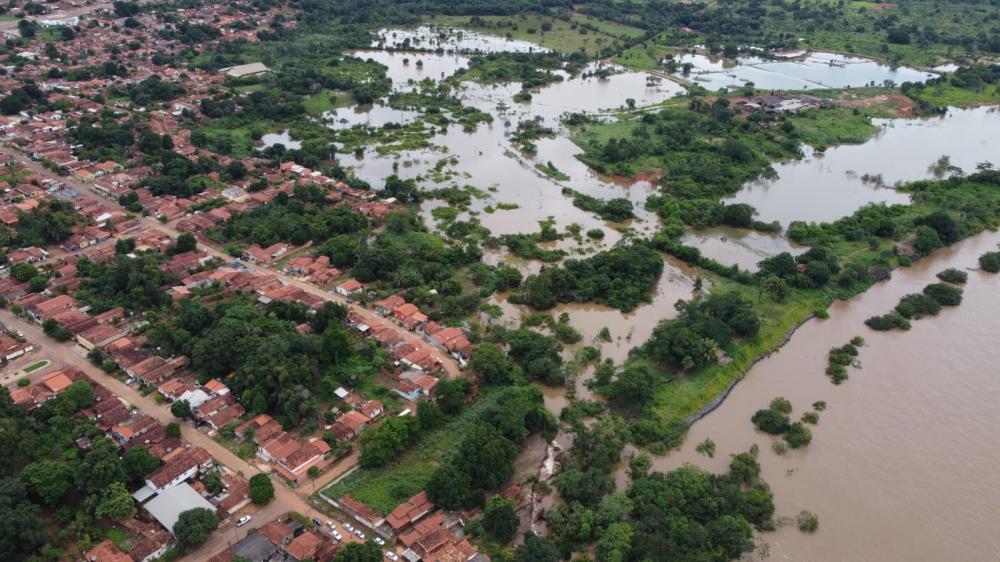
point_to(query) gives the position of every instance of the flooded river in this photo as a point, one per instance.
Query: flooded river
(903, 462)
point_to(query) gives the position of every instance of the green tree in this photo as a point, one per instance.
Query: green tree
(448, 486)
(48, 480)
(181, 409)
(492, 364)
(194, 526)
(261, 489)
(359, 552)
(115, 502)
(614, 543)
(450, 395)
(213, 483)
(22, 531)
(100, 467)
(139, 462)
(537, 549)
(744, 468)
(487, 457)
(173, 430)
(186, 242)
(500, 519)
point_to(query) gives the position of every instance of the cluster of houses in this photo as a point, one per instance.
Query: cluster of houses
(174, 487)
(282, 540)
(424, 532)
(776, 103)
(410, 317)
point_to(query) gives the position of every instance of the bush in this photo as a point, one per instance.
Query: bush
(990, 261)
(917, 305)
(808, 522)
(944, 294)
(952, 275)
(782, 405)
(811, 418)
(798, 435)
(770, 421)
(888, 322)
(261, 489)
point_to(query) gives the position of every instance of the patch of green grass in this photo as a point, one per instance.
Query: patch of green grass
(614, 29)
(35, 366)
(947, 95)
(326, 100)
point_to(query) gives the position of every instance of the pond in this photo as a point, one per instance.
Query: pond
(283, 137)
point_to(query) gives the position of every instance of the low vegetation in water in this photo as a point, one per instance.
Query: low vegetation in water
(839, 358)
(774, 420)
(952, 275)
(990, 262)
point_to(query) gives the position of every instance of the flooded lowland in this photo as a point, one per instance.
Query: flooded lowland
(902, 465)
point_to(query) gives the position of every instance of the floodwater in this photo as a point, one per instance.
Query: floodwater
(406, 67)
(826, 187)
(739, 246)
(376, 115)
(903, 462)
(283, 137)
(812, 71)
(449, 39)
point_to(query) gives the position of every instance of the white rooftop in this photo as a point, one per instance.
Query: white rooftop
(169, 504)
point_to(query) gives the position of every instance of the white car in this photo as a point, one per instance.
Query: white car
(337, 536)
(330, 525)
(391, 556)
(348, 526)
(379, 541)
(243, 521)
(359, 533)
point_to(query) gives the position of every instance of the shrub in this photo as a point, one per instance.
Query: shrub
(944, 294)
(707, 448)
(798, 435)
(770, 421)
(811, 418)
(990, 261)
(952, 275)
(819, 405)
(888, 322)
(917, 305)
(808, 522)
(782, 405)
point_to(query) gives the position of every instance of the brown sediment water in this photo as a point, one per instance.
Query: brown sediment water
(903, 463)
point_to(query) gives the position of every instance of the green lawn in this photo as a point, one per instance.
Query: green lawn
(946, 95)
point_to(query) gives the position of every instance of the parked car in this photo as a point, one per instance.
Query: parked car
(391, 556)
(337, 536)
(243, 521)
(318, 521)
(330, 525)
(359, 534)
(349, 527)
(379, 541)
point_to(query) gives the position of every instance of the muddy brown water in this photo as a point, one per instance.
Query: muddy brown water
(903, 464)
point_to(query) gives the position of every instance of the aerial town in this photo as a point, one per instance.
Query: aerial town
(461, 281)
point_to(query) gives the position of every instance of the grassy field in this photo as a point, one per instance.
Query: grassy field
(946, 95)
(325, 100)
(36, 366)
(612, 28)
(387, 487)
(564, 37)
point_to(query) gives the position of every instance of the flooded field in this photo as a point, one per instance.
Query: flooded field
(408, 67)
(283, 137)
(825, 187)
(810, 71)
(904, 457)
(449, 39)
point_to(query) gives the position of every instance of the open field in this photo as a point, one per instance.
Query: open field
(564, 37)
